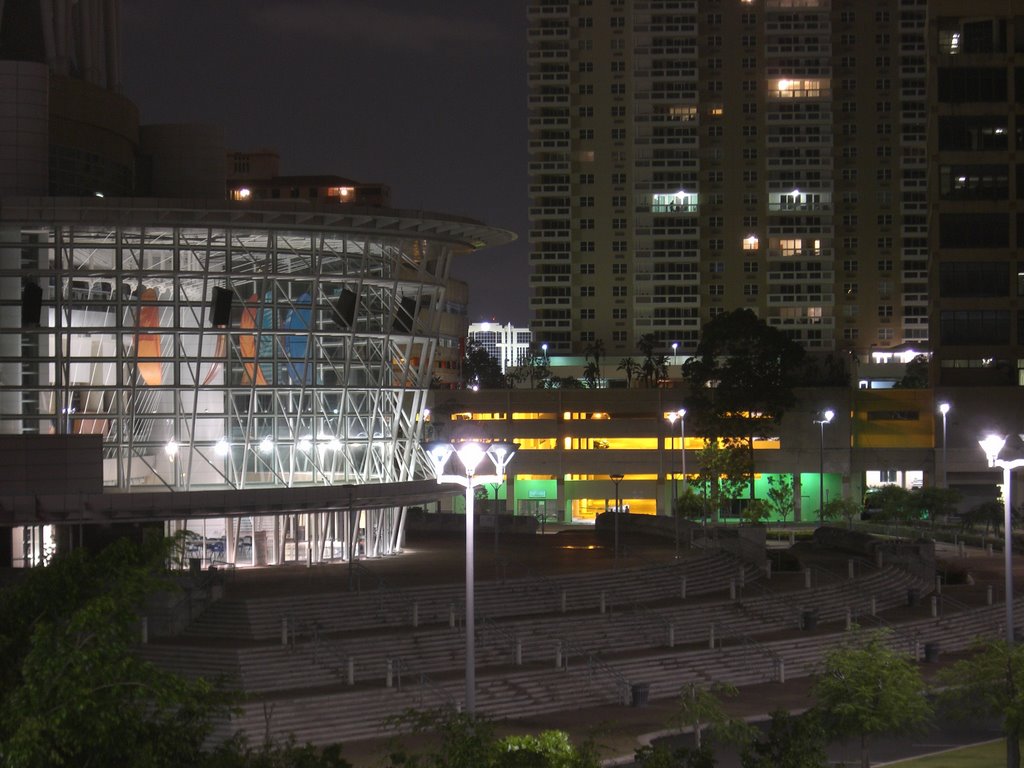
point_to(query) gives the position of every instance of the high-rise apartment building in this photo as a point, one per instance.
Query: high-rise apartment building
(975, 133)
(688, 157)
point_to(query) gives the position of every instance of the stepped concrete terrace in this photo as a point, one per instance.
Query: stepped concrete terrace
(316, 658)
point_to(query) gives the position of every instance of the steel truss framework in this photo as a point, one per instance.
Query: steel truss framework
(228, 347)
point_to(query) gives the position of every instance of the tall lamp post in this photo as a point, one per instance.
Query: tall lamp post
(672, 416)
(826, 418)
(944, 409)
(616, 479)
(470, 454)
(992, 445)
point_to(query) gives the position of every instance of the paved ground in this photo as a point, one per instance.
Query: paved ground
(618, 730)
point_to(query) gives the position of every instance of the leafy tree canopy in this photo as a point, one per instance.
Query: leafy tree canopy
(989, 683)
(478, 367)
(868, 689)
(742, 365)
(788, 742)
(73, 693)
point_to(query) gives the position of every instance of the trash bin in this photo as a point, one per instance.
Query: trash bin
(931, 653)
(913, 598)
(195, 565)
(641, 694)
(809, 620)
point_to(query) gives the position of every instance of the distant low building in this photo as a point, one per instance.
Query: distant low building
(507, 344)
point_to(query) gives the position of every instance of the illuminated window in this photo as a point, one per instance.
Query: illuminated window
(750, 243)
(342, 194)
(528, 416)
(811, 88)
(242, 193)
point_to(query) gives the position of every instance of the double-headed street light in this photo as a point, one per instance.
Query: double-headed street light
(672, 416)
(826, 418)
(992, 445)
(470, 454)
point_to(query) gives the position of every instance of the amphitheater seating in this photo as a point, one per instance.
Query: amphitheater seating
(319, 666)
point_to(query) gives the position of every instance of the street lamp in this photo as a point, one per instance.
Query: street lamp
(470, 454)
(826, 418)
(616, 479)
(672, 416)
(992, 445)
(944, 409)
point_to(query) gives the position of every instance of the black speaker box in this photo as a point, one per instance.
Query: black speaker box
(31, 304)
(220, 307)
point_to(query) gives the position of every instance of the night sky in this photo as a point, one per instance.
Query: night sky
(429, 98)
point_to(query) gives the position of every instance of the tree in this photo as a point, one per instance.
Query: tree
(660, 756)
(72, 692)
(594, 351)
(932, 503)
(756, 512)
(868, 690)
(741, 377)
(725, 467)
(689, 505)
(701, 708)
(895, 503)
(916, 374)
(780, 496)
(534, 367)
(835, 509)
(988, 684)
(480, 368)
(789, 742)
(743, 366)
(631, 368)
(459, 740)
(987, 513)
(654, 366)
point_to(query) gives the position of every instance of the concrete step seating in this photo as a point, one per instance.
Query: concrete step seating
(360, 712)
(343, 611)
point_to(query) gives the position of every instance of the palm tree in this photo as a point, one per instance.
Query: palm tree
(595, 350)
(630, 367)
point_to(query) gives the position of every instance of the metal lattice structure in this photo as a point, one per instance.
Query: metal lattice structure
(225, 346)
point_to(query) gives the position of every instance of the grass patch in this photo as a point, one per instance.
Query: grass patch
(980, 756)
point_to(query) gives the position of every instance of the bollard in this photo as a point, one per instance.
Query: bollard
(732, 589)
(564, 600)
(602, 602)
(938, 585)
(988, 595)
(807, 578)
(874, 606)
(671, 635)
(350, 671)
(849, 619)
(388, 673)
(284, 631)
(917, 650)
(849, 568)
(988, 549)
(145, 630)
(519, 652)
(782, 670)
(935, 606)
(768, 570)
(792, 538)
(558, 654)
(742, 577)
(711, 641)
(682, 588)
(415, 614)
(451, 615)
(963, 549)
